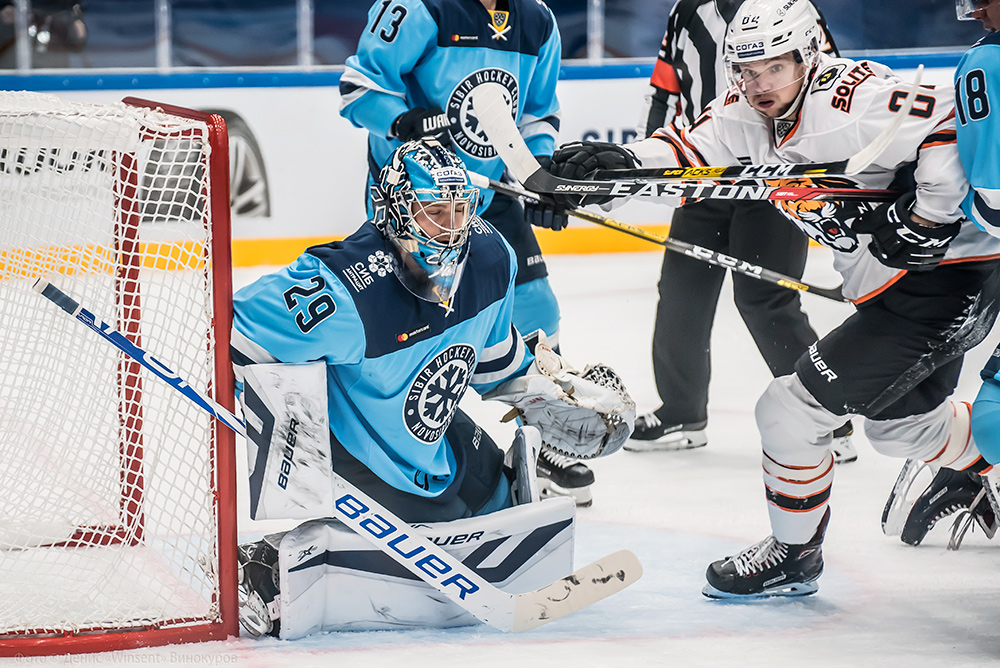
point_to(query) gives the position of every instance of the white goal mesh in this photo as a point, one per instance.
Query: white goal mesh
(109, 484)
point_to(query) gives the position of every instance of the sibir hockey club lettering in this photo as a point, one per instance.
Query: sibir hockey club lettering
(402, 544)
(24, 161)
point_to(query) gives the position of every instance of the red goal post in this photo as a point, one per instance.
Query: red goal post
(117, 500)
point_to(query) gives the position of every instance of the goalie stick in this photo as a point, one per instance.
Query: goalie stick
(698, 252)
(495, 119)
(368, 518)
(854, 165)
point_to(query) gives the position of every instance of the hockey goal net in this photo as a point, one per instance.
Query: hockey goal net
(117, 510)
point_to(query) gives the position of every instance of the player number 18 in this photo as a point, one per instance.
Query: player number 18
(976, 104)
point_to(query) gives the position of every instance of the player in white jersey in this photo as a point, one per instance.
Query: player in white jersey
(924, 282)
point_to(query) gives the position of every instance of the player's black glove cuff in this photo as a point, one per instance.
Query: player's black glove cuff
(899, 242)
(548, 214)
(579, 160)
(418, 123)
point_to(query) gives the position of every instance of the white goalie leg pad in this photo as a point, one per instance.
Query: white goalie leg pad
(332, 579)
(288, 441)
(522, 458)
(582, 414)
(940, 437)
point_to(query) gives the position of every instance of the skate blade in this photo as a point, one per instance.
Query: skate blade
(583, 497)
(685, 443)
(797, 589)
(898, 505)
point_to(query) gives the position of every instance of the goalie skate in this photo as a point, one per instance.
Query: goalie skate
(769, 568)
(559, 475)
(258, 588)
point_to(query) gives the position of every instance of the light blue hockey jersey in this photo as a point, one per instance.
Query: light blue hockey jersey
(434, 53)
(977, 110)
(397, 366)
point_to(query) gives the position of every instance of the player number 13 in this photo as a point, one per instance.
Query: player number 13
(396, 16)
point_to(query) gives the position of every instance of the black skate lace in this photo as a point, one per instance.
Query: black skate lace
(756, 558)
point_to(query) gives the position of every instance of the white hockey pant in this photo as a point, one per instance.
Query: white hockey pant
(798, 466)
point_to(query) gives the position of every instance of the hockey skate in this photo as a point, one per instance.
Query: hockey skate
(651, 434)
(558, 475)
(258, 588)
(843, 448)
(769, 568)
(951, 492)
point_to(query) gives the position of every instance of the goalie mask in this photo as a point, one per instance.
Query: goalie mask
(423, 204)
(771, 47)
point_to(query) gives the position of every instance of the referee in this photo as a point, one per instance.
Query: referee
(687, 76)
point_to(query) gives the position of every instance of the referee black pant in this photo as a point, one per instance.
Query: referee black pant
(689, 292)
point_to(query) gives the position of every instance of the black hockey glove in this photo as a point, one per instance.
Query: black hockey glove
(418, 123)
(548, 214)
(580, 159)
(899, 242)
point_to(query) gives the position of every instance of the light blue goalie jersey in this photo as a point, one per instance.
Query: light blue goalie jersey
(434, 53)
(397, 366)
(977, 110)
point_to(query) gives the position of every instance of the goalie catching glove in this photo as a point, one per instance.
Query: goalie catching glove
(582, 414)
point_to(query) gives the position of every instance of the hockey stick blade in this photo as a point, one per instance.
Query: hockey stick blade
(852, 166)
(374, 522)
(588, 585)
(698, 252)
(494, 117)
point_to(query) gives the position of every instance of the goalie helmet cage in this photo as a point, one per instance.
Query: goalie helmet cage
(117, 526)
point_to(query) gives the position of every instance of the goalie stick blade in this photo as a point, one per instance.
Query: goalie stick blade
(588, 585)
(852, 166)
(494, 116)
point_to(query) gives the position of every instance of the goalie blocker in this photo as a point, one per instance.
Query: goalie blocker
(331, 579)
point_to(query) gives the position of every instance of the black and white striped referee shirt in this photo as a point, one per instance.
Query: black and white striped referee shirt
(689, 68)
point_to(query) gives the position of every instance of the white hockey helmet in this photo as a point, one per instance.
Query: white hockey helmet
(423, 204)
(765, 29)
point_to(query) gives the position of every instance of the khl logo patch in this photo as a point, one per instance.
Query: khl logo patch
(434, 394)
(465, 129)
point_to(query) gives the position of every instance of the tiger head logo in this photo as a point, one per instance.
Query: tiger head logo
(829, 223)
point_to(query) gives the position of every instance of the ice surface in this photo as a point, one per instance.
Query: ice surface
(880, 602)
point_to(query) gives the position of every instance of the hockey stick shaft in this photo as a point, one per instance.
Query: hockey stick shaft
(495, 118)
(691, 250)
(852, 166)
(371, 520)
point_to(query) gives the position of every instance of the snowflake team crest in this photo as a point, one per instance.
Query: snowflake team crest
(466, 131)
(434, 394)
(379, 263)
